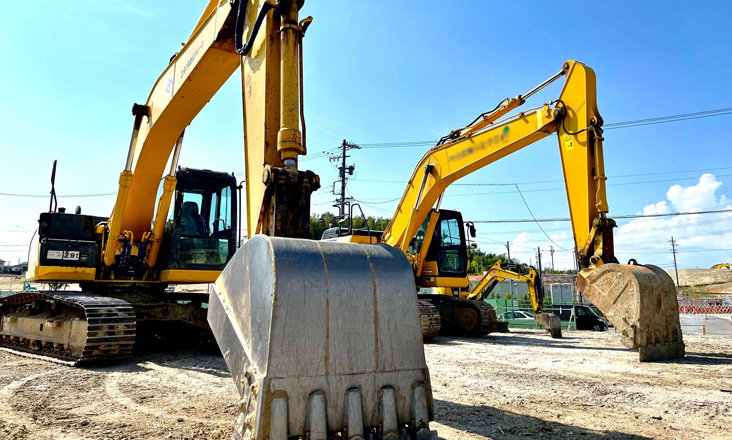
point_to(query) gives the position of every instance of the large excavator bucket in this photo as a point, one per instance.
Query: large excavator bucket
(323, 340)
(640, 300)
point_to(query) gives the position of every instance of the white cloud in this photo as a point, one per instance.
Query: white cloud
(657, 208)
(647, 239)
(697, 197)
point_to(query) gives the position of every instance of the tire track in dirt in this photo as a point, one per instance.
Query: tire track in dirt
(170, 376)
(7, 393)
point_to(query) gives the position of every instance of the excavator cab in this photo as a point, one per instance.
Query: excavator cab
(201, 232)
(445, 267)
(446, 260)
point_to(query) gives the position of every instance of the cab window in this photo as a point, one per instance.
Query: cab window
(450, 231)
(450, 258)
(416, 244)
(203, 225)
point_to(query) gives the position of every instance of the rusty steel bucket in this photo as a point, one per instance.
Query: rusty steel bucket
(323, 340)
(640, 300)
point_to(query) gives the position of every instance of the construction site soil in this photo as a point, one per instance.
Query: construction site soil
(503, 386)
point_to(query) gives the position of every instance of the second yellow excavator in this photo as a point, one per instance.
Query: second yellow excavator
(500, 272)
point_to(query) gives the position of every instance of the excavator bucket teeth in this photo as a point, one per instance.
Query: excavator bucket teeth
(551, 322)
(640, 300)
(323, 340)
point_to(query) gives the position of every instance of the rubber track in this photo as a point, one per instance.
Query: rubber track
(430, 318)
(488, 318)
(111, 326)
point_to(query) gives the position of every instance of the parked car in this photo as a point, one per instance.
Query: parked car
(585, 317)
(516, 314)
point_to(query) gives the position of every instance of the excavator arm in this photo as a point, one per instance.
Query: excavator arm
(499, 273)
(493, 136)
(208, 58)
(640, 300)
(267, 47)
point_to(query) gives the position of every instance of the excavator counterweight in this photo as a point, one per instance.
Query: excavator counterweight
(322, 339)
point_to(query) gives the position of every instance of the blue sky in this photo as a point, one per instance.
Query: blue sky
(378, 72)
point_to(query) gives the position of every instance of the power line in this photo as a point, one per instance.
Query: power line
(541, 182)
(678, 252)
(671, 118)
(609, 126)
(663, 228)
(536, 182)
(563, 189)
(69, 196)
(407, 144)
(614, 217)
(411, 144)
(378, 203)
(537, 223)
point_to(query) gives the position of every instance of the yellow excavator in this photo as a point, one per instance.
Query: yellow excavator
(322, 339)
(501, 272)
(639, 299)
(722, 266)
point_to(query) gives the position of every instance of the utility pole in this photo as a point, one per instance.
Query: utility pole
(674, 244)
(551, 251)
(576, 269)
(344, 172)
(510, 282)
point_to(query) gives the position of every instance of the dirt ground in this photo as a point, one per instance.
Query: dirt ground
(11, 282)
(504, 386)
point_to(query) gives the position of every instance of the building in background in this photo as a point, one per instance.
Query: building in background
(17, 269)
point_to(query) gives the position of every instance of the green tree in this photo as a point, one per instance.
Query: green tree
(320, 222)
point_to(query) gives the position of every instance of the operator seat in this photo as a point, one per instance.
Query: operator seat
(191, 222)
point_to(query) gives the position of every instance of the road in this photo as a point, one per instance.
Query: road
(714, 325)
